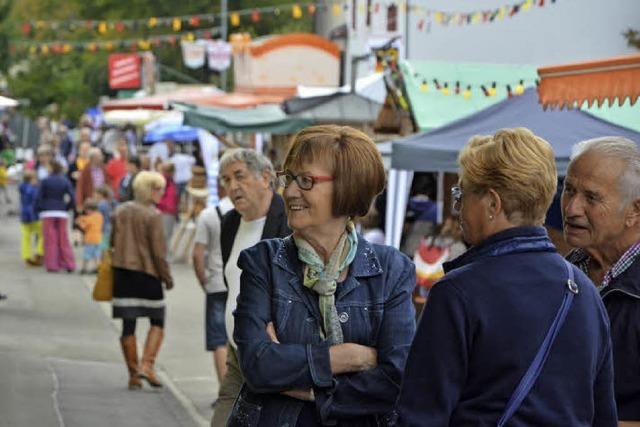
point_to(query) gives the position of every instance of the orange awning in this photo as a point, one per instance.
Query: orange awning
(594, 81)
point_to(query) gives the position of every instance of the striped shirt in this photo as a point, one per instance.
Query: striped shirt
(580, 258)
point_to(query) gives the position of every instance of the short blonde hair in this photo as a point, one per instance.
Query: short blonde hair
(144, 183)
(517, 165)
(353, 158)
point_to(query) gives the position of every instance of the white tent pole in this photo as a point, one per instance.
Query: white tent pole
(392, 192)
(404, 187)
(440, 198)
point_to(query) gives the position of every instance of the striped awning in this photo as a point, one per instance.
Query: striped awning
(608, 80)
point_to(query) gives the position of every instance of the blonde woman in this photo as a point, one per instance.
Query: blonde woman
(139, 270)
(492, 315)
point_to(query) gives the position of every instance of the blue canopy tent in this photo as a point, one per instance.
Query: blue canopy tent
(437, 150)
(177, 133)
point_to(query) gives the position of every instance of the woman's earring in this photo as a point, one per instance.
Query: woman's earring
(490, 217)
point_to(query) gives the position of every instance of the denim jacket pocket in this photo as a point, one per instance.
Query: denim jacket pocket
(360, 322)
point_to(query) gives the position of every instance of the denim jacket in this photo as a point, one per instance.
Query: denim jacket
(375, 308)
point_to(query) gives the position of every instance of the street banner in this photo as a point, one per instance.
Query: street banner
(219, 55)
(124, 71)
(193, 54)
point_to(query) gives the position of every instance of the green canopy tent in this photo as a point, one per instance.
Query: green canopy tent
(267, 118)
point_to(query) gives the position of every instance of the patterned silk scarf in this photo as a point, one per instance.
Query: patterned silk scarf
(322, 278)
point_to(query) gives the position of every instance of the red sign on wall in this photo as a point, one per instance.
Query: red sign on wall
(124, 71)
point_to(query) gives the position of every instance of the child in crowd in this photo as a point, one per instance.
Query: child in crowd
(91, 225)
(4, 181)
(106, 205)
(30, 224)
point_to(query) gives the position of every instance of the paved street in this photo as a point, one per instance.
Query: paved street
(60, 359)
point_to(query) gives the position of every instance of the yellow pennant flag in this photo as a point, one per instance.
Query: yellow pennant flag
(296, 12)
(102, 27)
(153, 21)
(176, 25)
(33, 50)
(337, 9)
(44, 49)
(235, 19)
(502, 12)
(66, 48)
(438, 17)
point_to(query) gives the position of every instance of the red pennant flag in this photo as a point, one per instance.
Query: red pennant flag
(194, 21)
(26, 28)
(255, 15)
(376, 8)
(120, 26)
(421, 24)
(541, 4)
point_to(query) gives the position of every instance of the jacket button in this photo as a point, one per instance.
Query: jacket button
(343, 317)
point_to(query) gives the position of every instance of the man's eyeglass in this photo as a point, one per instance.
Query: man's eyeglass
(305, 182)
(456, 198)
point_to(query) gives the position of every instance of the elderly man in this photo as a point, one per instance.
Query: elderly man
(258, 214)
(601, 214)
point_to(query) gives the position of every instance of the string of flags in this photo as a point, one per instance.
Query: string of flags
(178, 23)
(446, 18)
(134, 44)
(466, 90)
(236, 18)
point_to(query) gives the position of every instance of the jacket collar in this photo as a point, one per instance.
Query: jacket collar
(272, 223)
(512, 240)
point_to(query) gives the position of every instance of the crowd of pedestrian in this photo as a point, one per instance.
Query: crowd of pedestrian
(309, 323)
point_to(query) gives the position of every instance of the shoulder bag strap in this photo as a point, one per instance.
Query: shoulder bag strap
(534, 370)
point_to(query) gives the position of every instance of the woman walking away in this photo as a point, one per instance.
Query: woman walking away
(324, 319)
(513, 334)
(53, 201)
(30, 225)
(139, 259)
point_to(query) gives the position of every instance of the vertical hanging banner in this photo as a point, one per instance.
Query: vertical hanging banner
(124, 71)
(193, 54)
(219, 54)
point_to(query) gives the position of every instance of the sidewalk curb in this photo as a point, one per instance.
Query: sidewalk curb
(184, 401)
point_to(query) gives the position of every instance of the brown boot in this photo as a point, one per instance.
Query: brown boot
(130, 352)
(151, 349)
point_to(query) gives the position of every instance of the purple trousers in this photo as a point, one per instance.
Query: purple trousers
(58, 254)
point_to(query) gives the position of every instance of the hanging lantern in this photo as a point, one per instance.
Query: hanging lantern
(466, 94)
(492, 90)
(445, 89)
(519, 89)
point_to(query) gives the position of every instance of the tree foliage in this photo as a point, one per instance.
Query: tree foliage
(65, 85)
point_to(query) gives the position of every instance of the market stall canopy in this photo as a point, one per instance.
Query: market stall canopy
(592, 82)
(263, 118)
(433, 106)
(335, 108)
(161, 101)
(177, 133)
(138, 117)
(371, 87)
(8, 102)
(239, 100)
(438, 150)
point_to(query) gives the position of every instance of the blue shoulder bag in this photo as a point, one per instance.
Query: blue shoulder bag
(534, 370)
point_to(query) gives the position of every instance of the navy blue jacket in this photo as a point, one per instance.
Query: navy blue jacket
(481, 328)
(375, 309)
(28, 193)
(55, 193)
(622, 300)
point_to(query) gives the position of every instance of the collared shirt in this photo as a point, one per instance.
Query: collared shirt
(580, 258)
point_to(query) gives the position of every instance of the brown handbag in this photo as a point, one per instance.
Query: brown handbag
(103, 289)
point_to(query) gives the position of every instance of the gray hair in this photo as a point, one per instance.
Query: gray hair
(619, 148)
(256, 162)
